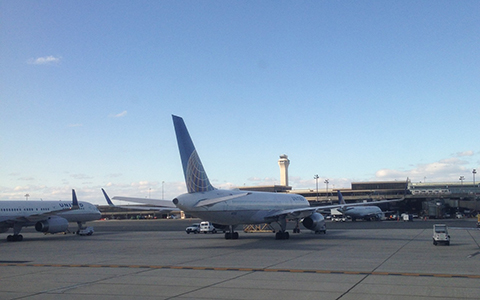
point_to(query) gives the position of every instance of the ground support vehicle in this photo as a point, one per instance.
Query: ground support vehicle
(195, 228)
(85, 231)
(207, 227)
(440, 234)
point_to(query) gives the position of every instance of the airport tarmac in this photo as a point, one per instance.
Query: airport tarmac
(386, 260)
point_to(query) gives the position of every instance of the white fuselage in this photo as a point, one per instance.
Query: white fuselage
(29, 209)
(252, 208)
(360, 212)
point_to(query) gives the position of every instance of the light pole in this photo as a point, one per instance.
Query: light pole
(26, 196)
(462, 178)
(316, 183)
(474, 171)
(326, 182)
(163, 190)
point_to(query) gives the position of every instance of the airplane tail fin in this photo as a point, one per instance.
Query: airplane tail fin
(406, 187)
(74, 200)
(340, 198)
(110, 203)
(195, 176)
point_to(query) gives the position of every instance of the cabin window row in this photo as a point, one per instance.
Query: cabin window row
(25, 209)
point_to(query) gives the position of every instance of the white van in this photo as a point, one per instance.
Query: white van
(206, 227)
(440, 234)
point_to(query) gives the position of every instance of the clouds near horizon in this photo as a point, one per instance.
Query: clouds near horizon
(444, 170)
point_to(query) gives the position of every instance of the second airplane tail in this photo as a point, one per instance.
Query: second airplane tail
(195, 176)
(110, 203)
(340, 198)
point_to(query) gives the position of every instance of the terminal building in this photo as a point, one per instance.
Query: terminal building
(433, 199)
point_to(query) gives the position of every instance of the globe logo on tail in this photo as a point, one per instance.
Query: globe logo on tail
(197, 180)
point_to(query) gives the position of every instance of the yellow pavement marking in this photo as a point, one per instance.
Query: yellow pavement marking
(338, 272)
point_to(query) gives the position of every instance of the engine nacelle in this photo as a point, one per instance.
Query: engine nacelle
(315, 222)
(52, 225)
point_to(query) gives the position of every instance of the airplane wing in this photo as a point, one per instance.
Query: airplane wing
(33, 218)
(168, 203)
(155, 208)
(212, 201)
(160, 205)
(298, 213)
(156, 202)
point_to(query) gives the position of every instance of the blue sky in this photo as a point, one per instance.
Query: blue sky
(349, 90)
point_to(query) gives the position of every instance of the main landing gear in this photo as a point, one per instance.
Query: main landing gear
(297, 227)
(231, 235)
(283, 233)
(15, 238)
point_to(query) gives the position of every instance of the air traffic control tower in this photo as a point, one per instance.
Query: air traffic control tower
(284, 162)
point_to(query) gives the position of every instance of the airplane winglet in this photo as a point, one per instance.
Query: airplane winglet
(110, 203)
(74, 200)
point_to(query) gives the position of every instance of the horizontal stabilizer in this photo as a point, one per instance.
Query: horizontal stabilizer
(212, 201)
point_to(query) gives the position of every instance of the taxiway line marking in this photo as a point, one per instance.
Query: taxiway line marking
(13, 264)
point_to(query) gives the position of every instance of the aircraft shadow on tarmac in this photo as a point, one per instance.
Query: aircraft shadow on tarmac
(303, 241)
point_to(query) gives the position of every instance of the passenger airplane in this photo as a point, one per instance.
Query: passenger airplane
(368, 212)
(46, 216)
(230, 208)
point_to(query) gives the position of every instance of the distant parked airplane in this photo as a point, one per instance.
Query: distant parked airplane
(46, 216)
(367, 212)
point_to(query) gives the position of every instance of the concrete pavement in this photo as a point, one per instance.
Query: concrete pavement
(344, 264)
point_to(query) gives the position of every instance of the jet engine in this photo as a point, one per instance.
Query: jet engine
(52, 225)
(315, 222)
